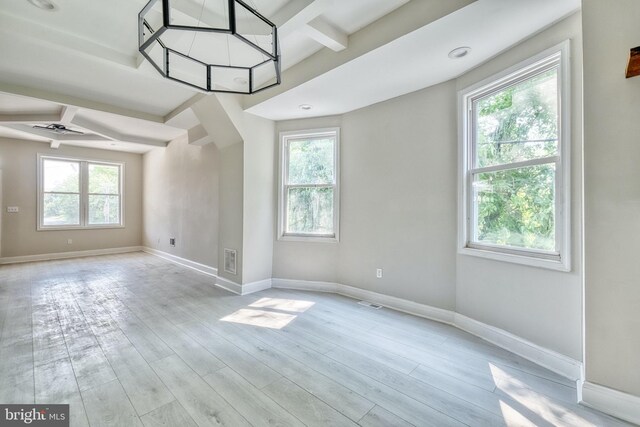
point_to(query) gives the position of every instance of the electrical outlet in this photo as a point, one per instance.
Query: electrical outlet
(13, 209)
(172, 241)
(69, 241)
(379, 273)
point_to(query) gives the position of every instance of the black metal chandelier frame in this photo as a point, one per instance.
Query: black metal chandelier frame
(155, 34)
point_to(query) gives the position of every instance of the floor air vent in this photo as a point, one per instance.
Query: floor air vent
(370, 304)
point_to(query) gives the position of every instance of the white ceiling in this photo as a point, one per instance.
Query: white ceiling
(84, 56)
(418, 59)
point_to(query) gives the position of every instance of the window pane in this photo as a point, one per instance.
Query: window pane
(310, 210)
(516, 207)
(104, 179)
(61, 176)
(61, 209)
(104, 210)
(518, 123)
(311, 161)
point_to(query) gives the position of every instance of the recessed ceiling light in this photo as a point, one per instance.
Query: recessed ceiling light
(459, 52)
(305, 107)
(240, 80)
(44, 4)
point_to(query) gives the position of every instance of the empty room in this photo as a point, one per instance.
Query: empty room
(319, 213)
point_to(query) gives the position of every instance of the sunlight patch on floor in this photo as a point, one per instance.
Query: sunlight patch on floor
(291, 305)
(534, 402)
(262, 318)
(274, 313)
(514, 418)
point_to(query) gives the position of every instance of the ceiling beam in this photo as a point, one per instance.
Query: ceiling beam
(67, 114)
(326, 34)
(182, 107)
(113, 135)
(29, 118)
(289, 10)
(199, 136)
(77, 102)
(409, 17)
(216, 122)
(306, 12)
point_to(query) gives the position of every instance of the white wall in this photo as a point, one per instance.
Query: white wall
(230, 208)
(540, 305)
(18, 161)
(399, 207)
(612, 195)
(399, 197)
(397, 201)
(181, 200)
(258, 206)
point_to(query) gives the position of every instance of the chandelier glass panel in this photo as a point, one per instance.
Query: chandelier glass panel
(213, 45)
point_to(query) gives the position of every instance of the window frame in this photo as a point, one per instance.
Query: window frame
(285, 138)
(560, 259)
(84, 193)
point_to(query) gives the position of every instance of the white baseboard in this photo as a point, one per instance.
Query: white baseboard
(399, 304)
(246, 289)
(229, 285)
(260, 285)
(202, 268)
(613, 402)
(66, 255)
(221, 282)
(550, 359)
(305, 285)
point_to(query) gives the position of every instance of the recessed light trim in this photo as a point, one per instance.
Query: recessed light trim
(459, 52)
(47, 5)
(305, 107)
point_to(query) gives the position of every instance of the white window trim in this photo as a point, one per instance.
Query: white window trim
(285, 137)
(84, 194)
(561, 260)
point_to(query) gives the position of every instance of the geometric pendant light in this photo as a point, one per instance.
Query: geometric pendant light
(215, 46)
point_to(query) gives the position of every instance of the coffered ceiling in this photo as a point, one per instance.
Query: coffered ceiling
(78, 65)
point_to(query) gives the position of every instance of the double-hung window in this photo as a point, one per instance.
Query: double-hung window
(308, 196)
(515, 133)
(76, 193)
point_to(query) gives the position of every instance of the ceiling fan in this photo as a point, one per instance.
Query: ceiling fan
(59, 129)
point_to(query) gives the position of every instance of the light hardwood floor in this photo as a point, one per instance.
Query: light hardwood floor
(133, 340)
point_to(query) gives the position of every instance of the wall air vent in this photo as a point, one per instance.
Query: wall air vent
(230, 257)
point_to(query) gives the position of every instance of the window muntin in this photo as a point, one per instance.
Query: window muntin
(515, 181)
(76, 193)
(309, 190)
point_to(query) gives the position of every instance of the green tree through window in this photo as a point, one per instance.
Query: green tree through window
(514, 164)
(309, 184)
(78, 193)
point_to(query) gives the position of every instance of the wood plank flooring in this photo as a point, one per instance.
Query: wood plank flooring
(132, 339)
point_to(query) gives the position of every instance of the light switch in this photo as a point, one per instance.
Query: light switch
(13, 209)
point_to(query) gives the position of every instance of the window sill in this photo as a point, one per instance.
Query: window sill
(528, 260)
(79, 227)
(304, 238)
